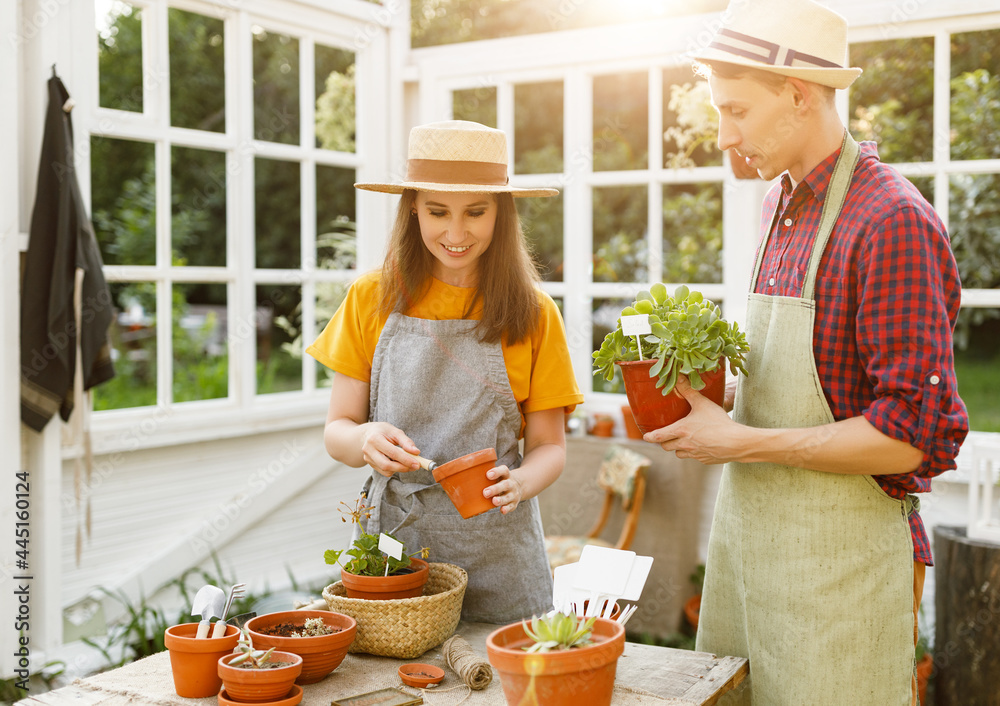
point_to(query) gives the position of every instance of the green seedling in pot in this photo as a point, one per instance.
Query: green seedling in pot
(250, 658)
(688, 336)
(367, 559)
(558, 631)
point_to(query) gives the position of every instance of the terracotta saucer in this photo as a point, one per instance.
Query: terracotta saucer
(420, 675)
(293, 698)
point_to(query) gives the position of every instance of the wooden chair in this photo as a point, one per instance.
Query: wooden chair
(622, 476)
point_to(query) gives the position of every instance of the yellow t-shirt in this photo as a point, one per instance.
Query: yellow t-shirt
(539, 369)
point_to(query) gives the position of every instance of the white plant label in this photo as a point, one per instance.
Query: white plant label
(636, 325)
(390, 546)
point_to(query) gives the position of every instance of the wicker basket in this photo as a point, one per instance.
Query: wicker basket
(405, 627)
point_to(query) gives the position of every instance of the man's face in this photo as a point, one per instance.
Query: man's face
(758, 123)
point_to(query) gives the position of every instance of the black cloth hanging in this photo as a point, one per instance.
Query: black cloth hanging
(61, 243)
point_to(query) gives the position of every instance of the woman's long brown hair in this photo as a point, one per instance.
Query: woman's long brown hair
(508, 278)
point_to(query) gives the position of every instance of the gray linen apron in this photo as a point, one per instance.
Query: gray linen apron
(809, 574)
(450, 393)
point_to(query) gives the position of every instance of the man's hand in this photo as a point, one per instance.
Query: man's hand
(707, 434)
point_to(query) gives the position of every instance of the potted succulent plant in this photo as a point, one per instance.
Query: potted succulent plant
(372, 574)
(258, 676)
(320, 637)
(557, 660)
(686, 336)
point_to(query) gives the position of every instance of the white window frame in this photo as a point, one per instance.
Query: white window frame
(356, 26)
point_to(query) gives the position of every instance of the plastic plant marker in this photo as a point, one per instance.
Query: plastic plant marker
(390, 546)
(636, 325)
(637, 578)
(603, 571)
(564, 596)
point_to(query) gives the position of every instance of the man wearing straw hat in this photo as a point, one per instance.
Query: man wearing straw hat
(451, 349)
(817, 554)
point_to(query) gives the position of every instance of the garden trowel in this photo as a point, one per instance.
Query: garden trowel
(209, 602)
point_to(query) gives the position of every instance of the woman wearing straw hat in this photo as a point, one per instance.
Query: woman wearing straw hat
(449, 349)
(817, 552)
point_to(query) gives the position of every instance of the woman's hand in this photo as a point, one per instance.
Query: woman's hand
(507, 492)
(387, 449)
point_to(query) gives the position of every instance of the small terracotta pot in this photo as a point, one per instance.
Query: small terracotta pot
(420, 675)
(631, 429)
(603, 426)
(925, 667)
(259, 685)
(651, 409)
(381, 588)
(293, 698)
(464, 480)
(692, 609)
(320, 654)
(194, 662)
(584, 675)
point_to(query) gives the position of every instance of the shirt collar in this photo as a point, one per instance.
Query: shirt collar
(819, 178)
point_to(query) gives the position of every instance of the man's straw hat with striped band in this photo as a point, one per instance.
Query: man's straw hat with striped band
(797, 38)
(456, 156)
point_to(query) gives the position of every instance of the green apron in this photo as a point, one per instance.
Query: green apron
(809, 574)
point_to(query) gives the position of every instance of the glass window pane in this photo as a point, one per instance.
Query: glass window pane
(974, 226)
(123, 200)
(329, 296)
(278, 217)
(975, 95)
(538, 128)
(542, 220)
(620, 249)
(690, 123)
(604, 320)
(621, 122)
(977, 366)
(198, 216)
(335, 104)
(892, 102)
(476, 104)
(279, 338)
(197, 70)
(275, 87)
(119, 55)
(133, 348)
(692, 233)
(336, 229)
(201, 355)
(925, 185)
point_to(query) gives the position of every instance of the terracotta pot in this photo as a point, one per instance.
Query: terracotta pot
(259, 685)
(381, 588)
(194, 662)
(464, 480)
(603, 426)
(631, 429)
(925, 667)
(320, 654)
(692, 609)
(585, 675)
(294, 698)
(652, 409)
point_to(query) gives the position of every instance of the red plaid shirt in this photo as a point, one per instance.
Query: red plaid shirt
(887, 296)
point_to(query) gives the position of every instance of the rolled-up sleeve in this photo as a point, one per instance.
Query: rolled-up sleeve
(909, 295)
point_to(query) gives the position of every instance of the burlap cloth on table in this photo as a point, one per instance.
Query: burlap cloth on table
(148, 682)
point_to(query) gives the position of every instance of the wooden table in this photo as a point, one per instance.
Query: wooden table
(685, 678)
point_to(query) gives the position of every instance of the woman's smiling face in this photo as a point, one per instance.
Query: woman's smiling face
(457, 228)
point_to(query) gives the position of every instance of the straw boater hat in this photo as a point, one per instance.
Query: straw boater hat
(797, 38)
(457, 156)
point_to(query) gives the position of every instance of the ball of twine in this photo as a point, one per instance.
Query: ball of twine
(473, 670)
